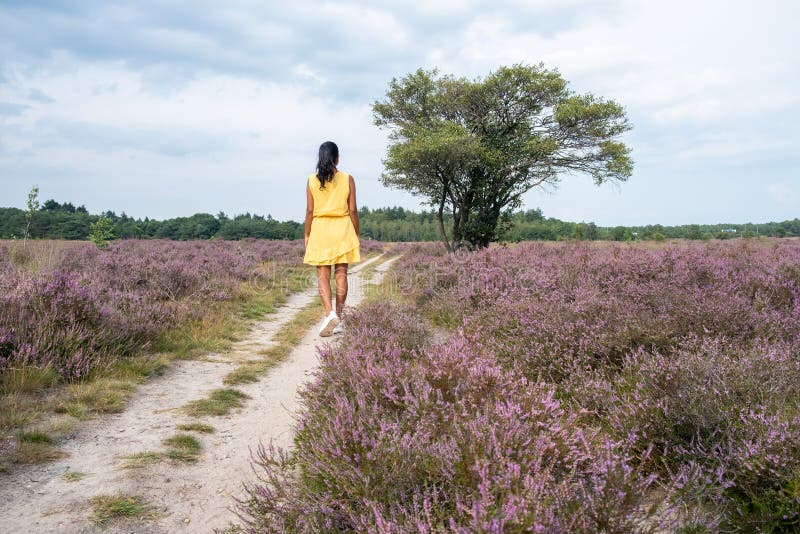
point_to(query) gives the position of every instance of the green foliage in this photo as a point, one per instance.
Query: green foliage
(620, 233)
(219, 402)
(197, 427)
(183, 447)
(473, 148)
(121, 506)
(102, 231)
(56, 220)
(692, 231)
(32, 205)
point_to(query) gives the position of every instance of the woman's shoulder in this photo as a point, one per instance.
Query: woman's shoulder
(344, 177)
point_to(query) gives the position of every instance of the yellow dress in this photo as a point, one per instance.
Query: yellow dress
(332, 238)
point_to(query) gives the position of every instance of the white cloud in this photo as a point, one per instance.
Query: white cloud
(304, 71)
(784, 194)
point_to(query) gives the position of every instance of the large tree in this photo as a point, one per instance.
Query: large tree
(475, 147)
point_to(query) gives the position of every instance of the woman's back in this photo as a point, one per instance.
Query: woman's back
(332, 200)
(331, 232)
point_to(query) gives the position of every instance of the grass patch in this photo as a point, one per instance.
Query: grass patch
(27, 379)
(215, 331)
(197, 427)
(141, 459)
(73, 476)
(3, 470)
(183, 447)
(288, 337)
(75, 409)
(140, 368)
(244, 374)
(227, 322)
(120, 506)
(382, 290)
(269, 292)
(18, 411)
(180, 447)
(104, 395)
(219, 402)
(34, 436)
(29, 446)
(35, 451)
(368, 271)
(34, 447)
(62, 426)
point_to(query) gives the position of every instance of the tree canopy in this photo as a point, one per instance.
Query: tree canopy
(474, 147)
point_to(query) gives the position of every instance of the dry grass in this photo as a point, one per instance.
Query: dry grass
(18, 411)
(33, 447)
(141, 459)
(62, 426)
(27, 380)
(37, 255)
(104, 395)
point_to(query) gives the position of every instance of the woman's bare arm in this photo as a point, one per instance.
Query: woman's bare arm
(309, 212)
(351, 205)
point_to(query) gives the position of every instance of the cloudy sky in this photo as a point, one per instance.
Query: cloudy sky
(165, 108)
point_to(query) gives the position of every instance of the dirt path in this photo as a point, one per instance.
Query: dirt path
(190, 497)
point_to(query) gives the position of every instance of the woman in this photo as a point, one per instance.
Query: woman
(331, 231)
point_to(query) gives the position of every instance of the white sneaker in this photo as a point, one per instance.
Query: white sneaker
(339, 328)
(328, 324)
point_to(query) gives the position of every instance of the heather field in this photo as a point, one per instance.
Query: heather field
(70, 307)
(571, 387)
(79, 326)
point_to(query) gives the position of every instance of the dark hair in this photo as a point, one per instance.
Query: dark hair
(326, 164)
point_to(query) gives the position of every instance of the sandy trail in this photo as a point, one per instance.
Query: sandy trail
(190, 497)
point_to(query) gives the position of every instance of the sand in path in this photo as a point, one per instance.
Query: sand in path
(189, 497)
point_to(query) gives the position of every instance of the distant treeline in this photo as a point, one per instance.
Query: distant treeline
(54, 220)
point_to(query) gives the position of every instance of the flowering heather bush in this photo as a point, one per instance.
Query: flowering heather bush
(723, 417)
(582, 386)
(80, 306)
(399, 435)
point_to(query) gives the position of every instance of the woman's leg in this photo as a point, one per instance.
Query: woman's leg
(324, 285)
(340, 275)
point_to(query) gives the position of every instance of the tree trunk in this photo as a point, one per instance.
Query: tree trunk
(461, 214)
(440, 219)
